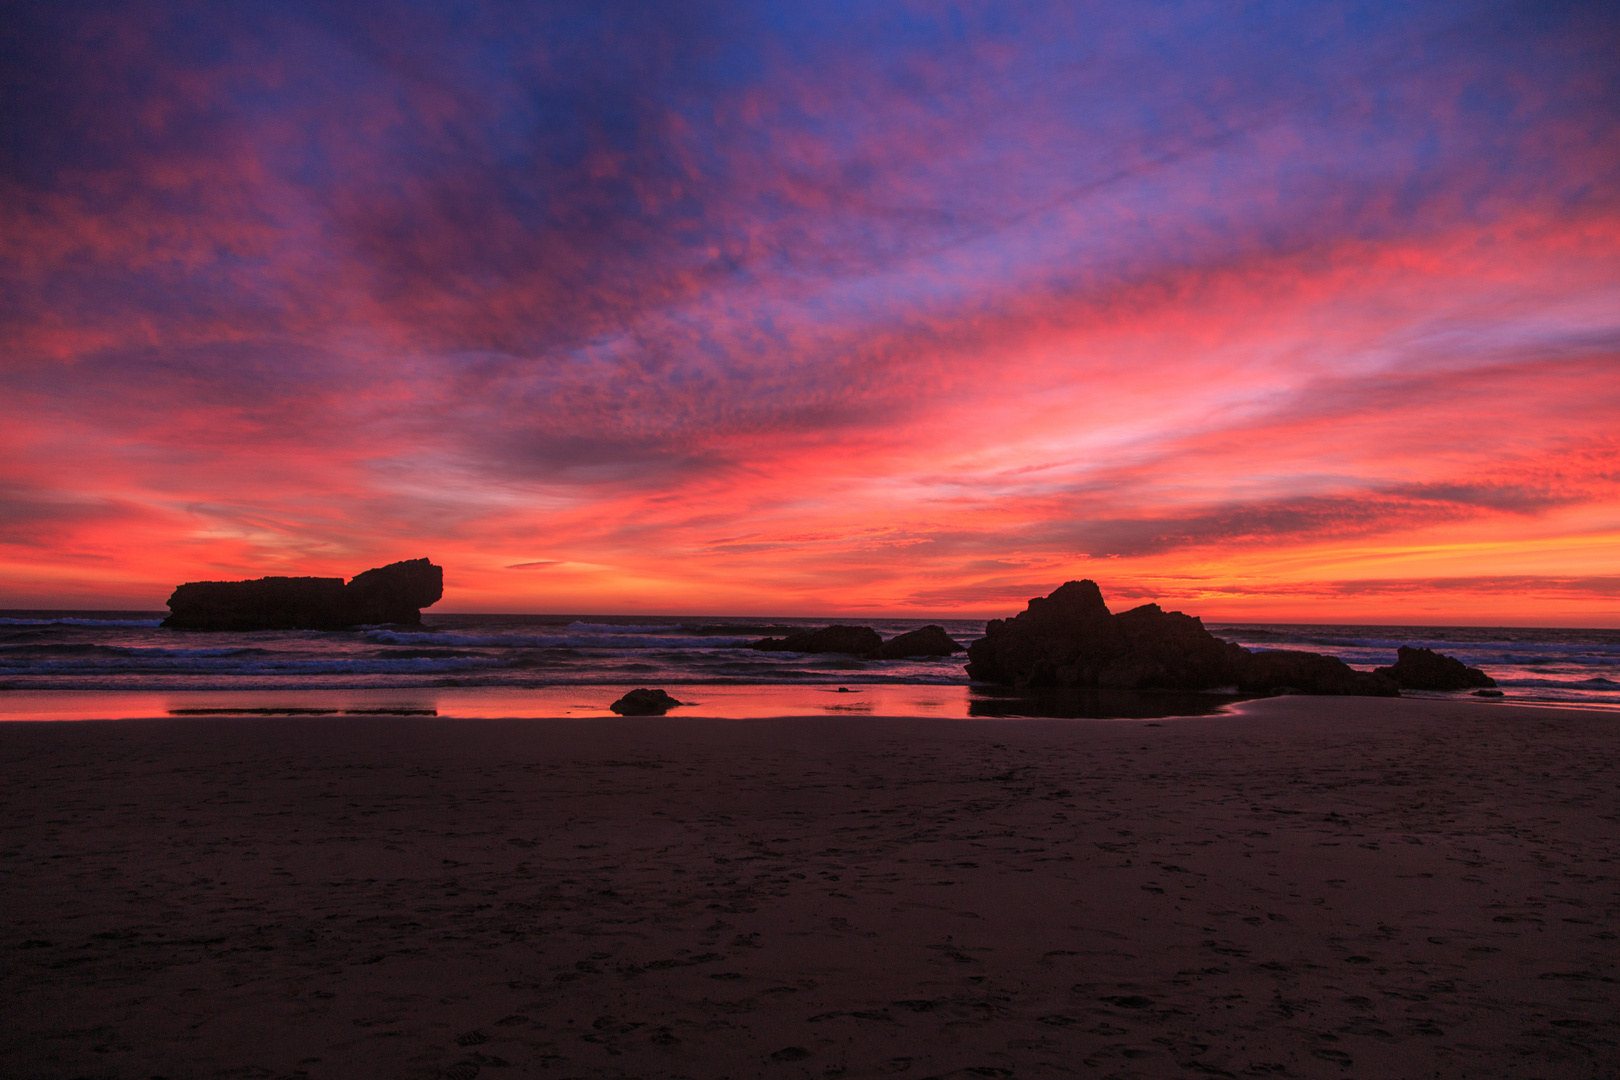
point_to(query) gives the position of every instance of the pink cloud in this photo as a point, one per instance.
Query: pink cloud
(851, 328)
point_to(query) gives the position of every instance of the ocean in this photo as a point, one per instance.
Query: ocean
(79, 664)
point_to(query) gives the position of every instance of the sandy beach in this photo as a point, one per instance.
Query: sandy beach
(1311, 888)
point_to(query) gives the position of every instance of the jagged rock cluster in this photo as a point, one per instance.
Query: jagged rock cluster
(1425, 669)
(1282, 671)
(865, 642)
(924, 641)
(389, 594)
(1071, 639)
(855, 640)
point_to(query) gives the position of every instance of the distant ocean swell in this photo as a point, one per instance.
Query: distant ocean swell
(559, 641)
(78, 621)
(1552, 664)
(130, 651)
(83, 653)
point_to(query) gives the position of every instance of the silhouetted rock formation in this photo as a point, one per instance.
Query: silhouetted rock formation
(644, 702)
(1279, 671)
(855, 640)
(395, 593)
(926, 641)
(1070, 639)
(863, 641)
(388, 594)
(1425, 669)
(272, 603)
(1169, 650)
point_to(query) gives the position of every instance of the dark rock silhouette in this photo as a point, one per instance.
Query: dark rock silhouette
(1425, 669)
(855, 640)
(272, 603)
(395, 593)
(925, 641)
(1070, 639)
(390, 594)
(1169, 650)
(864, 641)
(644, 702)
(1278, 671)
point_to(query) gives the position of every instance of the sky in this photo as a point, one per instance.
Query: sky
(1264, 311)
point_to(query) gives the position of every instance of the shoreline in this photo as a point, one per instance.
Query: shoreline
(705, 701)
(1313, 887)
(527, 668)
(756, 701)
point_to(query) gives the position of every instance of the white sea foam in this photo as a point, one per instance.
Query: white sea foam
(614, 628)
(80, 651)
(136, 650)
(554, 641)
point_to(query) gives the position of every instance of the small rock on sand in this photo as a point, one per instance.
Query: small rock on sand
(644, 702)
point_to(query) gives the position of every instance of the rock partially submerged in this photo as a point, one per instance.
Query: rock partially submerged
(1071, 639)
(644, 702)
(1280, 671)
(863, 641)
(925, 641)
(1425, 669)
(855, 640)
(389, 594)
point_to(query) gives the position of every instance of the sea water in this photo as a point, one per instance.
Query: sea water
(73, 664)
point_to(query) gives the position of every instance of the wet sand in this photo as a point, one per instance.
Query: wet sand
(1314, 888)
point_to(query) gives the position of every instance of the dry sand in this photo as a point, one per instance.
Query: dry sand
(1317, 888)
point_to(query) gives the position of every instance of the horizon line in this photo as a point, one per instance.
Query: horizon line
(1215, 621)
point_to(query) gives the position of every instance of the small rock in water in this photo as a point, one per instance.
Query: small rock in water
(1425, 669)
(928, 641)
(854, 640)
(644, 702)
(1487, 693)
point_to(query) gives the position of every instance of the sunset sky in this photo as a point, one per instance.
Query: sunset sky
(1264, 311)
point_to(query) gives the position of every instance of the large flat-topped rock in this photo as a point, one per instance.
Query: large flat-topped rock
(389, 594)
